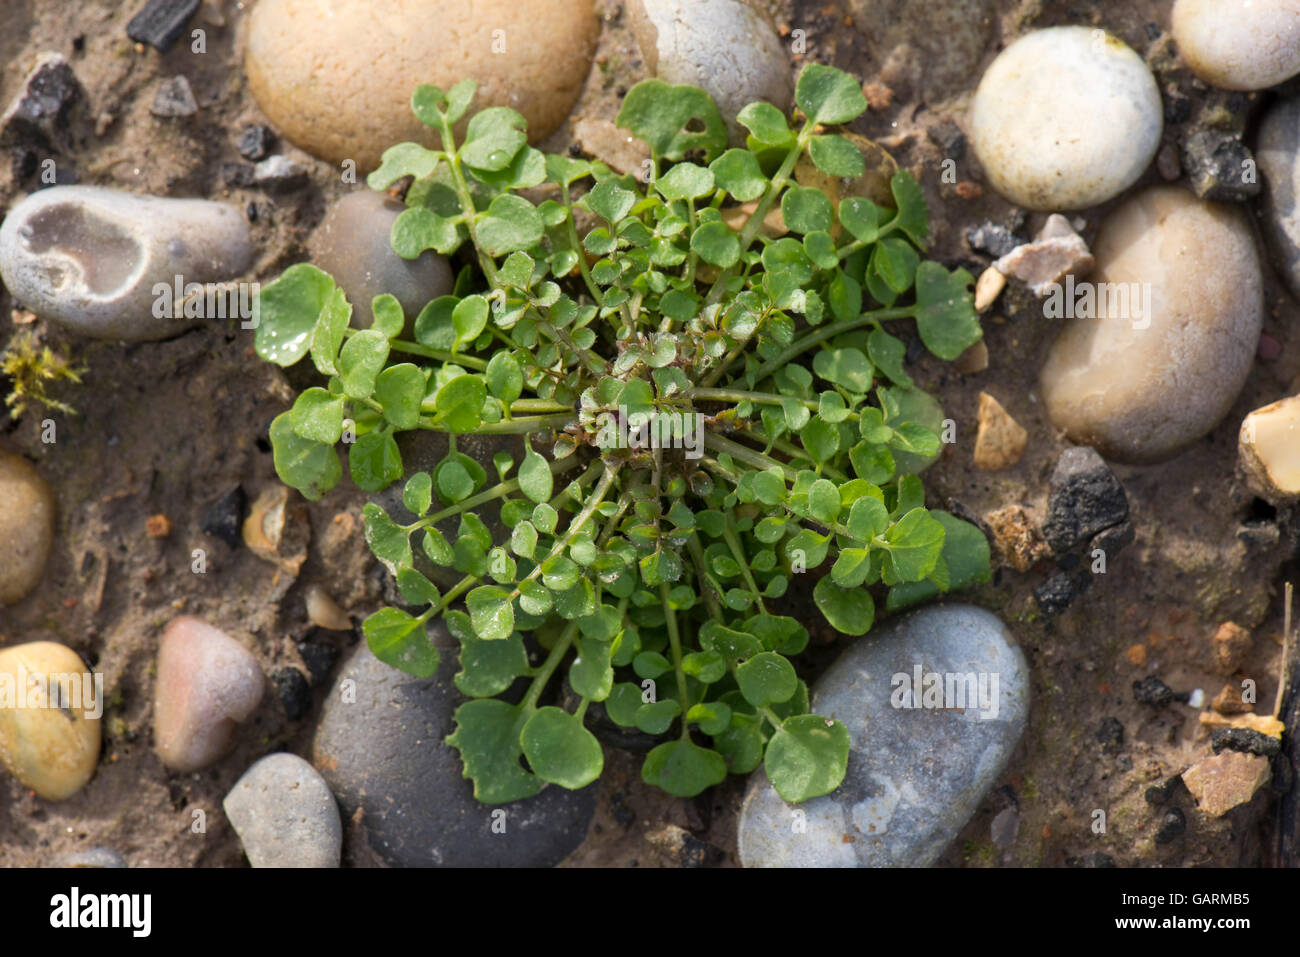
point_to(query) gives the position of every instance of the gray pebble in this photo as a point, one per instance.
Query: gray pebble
(100, 857)
(285, 815)
(279, 172)
(915, 775)
(380, 746)
(174, 98)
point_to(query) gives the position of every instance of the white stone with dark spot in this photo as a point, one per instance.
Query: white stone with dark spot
(90, 258)
(1066, 118)
(915, 775)
(1239, 44)
(285, 815)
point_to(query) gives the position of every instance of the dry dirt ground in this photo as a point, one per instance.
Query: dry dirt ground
(167, 428)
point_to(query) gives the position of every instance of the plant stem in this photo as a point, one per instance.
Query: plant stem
(747, 455)
(548, 667)
(738, 553)
(818, 336)
(675, 641)
(524, 426)
(497, 491)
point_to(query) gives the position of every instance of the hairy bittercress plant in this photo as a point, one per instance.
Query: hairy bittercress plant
(648, 570)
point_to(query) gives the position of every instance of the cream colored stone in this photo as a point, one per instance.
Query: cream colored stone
(1056, 252)
(1164, 333)
(324, 612)
(988, 288)
(1263, 723)
(26, 527)
(336, 76)
(1066, 118)
(1269, 448)
(1239, 44)
(49, 743)
(1000, 440)
(1226, 780)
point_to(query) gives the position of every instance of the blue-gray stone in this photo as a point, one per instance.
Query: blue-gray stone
(380, 746)
(915, 774)
(285, 815)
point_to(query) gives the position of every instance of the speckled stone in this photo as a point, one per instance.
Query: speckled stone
(1066, 118)
(915, 775)
(380, 747)
(90, 259)
(724, 47)
(1239, 44)
(285, 815)
(336, 76)
(26, 527)
(352, 244)
(1140, 385)
(1278, 154)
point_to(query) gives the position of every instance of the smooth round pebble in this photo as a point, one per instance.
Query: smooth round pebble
(206, 683)
(90, 258)
(1141, 383)
(915, 774)
(725, 47)
(336, 76)
(352, 245)
(50, 746)
(1278, 155)
(95, 857)
(380, 746)
(1239, 44)
(1066, 118)
(285, 815)
(26, 527)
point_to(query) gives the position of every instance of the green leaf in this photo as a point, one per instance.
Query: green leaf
(712, 717)
(511, 223)
(403, 159)
(824, 501)
(389, 318)
(895, 262)
(591, 674)
(400, 390)
(417, 494)
(837, 156)
(868, 518)
(807, 757)
(827, 95)
(287, 310)
(806, 210)
(327, 337)
(887, 354)
(850, 611)
(375, 461)
(945, 315)
(560, 750)
(623, 703)
(685, 181)
(661, 116)
(656, 717)
(766, 124)
(397, 639)
(966, 555)
(683, 768)
(311, 467)
(914, 544)
(459, 403)
(490, 612)
(913, 217)
(845, 367)
(469, 318)
(610, 201)
(493, 138)
(535, 479)
(505, 379)
(873, 463)
(716, 244)
(419, 228)
(738, 172)
(317, 416)
(766, 678)
(487, 736)
(861, 217)
(360, 362)
(389, 542)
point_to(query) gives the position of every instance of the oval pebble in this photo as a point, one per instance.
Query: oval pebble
(1239, 44)
(336, 76)
(1141, 383)
(915, 774)
(51, 746)
(1066, 118)
(206, 684)
(97, 260)
(725, 47)
(352, 245)
(285, 815)
(1278, 154)
(27, 515)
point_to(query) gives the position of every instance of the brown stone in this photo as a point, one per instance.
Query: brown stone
(1016, 537)
(1000, 440)
(1231, 644)
(1226, 780)
(1228, 701)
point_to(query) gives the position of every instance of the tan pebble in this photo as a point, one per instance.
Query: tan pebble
(1000, 440)
(618, 149)
(1058, 251)
(973, 360)
(324, 610)
(1268, 448)
(1264, 724)
(988, 288)
(158, 526)
(1016, 537)
(737, 217)
(1231, 644)
(1137, 656)
(1229, 700)
(26, 528)
(276, 530)
(52, 750)
(1226, 780)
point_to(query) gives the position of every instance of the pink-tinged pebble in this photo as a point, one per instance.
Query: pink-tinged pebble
(1270, 350)
(206, 684)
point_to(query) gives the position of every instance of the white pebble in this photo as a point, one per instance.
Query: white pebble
(1239, 44)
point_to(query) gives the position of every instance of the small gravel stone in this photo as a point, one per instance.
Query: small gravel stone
(1278, 151)
(206, 683)
(1112, 541)
(1229, 700)
(1245, 740)
(1056, 252)
(1000, 440)
(1172, 826)
(1084, 498)
(225, 517)
(1268, 448)
(1220, 167)
(174, 98)
(1231, 643)
(1110, 734)
(993, 239)
(1016, 537)
(160, 23)
(1066, 118)
(279, 173)
(295, 693)
(95, 857)
(1152, 691)
(1239, 44)
(285, 815)
(319, 657)
(27, 514)
(915, 774)
(255, 142)
(1004, 827)
(1055, 594)
(41, 108)
(1225, 781)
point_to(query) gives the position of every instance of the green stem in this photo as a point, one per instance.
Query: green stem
(675, 641)
(594, 499)
(524, 426)
(738, 553)
(818, 336)
(742, 453)
(572, 231)
(548, 667)
(442, 355)
(497, 491)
